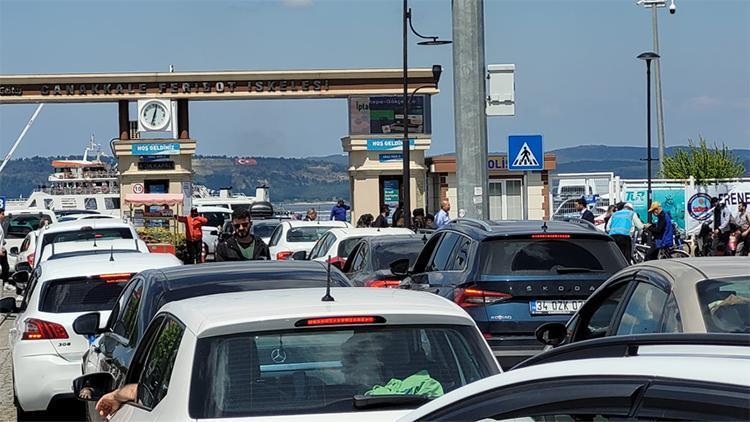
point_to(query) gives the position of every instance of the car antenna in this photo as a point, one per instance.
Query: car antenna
(94, 224)
(544, 226)
(328, 297)
(111, 253)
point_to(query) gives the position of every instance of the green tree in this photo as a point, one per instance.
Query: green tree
(703, 162)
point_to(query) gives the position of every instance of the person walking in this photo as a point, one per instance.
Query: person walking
(583, 208)
(442, 218)
(338, 212)
(242, 245)
(622, 226)
(3, 253)
(743, 229)
(722, 221)
(662, 233)
(382, 220)
(398, 215)
(365, 220)
(312, 215)
(193, 234)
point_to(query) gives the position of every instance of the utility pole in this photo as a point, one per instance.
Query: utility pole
(657, 86)
(469, 94)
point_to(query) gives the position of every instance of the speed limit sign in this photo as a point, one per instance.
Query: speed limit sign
(137, 187)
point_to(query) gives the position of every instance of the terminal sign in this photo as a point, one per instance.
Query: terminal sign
(387, 144)
(156, 149)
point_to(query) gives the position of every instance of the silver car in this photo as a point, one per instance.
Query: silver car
(691, 295)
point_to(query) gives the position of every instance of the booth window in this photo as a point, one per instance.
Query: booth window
(156, 186)
(112, 203)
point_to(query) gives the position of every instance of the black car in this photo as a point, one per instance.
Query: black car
(149, 290)
(513, 276)
(369, 262)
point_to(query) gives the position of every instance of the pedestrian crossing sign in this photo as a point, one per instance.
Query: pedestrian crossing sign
(525, 152)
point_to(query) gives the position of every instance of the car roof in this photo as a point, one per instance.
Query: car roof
(700, 268)
(376, 240)
(707, 363)
(486, 228)
(105, 223)
(27, 211)
(213, 208)
(87, 265)
(345, 232)
(327, 223)
(243, 311)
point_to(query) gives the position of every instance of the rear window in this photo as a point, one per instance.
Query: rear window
(20, 225)
(553, 256)
(79, 295)
(725, 304)
(346, 246)
(84, 235)
(306, 234)
(385, 253)
(264, 229)
(310, 371)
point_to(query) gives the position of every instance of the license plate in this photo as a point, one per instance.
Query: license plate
(555, 306)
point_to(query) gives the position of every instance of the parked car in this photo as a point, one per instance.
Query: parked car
(369, 262)
(148, 291)
(18, 224)
(24, 255)
(338, 243)
(651, 377)
(692, 295)
(216, 217)
(289, 354)
(513, 276)
(46, 354)
(293, 236)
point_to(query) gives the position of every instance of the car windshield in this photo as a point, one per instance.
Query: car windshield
(725, 304)
(262, 229)
(20, 225)
(322, 370)
(306, 234)
(549, 256)
(85, 294)
(385, 253)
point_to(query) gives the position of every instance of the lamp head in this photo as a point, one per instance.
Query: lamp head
(434, 41)
(648, 56)
(437, 70)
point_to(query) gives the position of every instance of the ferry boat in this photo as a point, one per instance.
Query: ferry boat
(87, 184)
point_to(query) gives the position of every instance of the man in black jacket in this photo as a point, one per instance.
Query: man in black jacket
(583, 208)
(242, 245)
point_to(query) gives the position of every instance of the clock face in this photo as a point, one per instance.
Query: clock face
(154, 116)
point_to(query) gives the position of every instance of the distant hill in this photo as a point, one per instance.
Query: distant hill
(326, 178)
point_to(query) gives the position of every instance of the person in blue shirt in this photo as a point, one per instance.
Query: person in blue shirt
(442, 218)
(622, 226)
(338, 212)
(662, 231)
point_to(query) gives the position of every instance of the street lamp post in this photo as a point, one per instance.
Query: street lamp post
(406, 178)
(648, 56)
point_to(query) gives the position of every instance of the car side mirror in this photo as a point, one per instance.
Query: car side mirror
(87, 324)
(299, 256)
(14, 250)
(21, 277)
(91, 387)
(214, 232)
(8, 305)
(400, 267)
(551, 333)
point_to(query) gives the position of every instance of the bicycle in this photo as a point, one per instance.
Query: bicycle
(641, 250)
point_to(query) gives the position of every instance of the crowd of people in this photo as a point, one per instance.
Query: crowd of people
(419, 219)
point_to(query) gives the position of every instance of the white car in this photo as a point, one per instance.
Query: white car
(648, 377)
(46, 352)
(337, 243)
(294, 236)
(24, 255)
(288, 355)
(216, 217)
(76, 217)
(21, 222)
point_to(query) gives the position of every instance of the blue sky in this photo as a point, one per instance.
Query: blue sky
(578, 81)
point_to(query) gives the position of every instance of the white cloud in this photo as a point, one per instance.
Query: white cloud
(296, 4)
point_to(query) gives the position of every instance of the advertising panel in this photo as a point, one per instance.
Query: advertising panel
(375, 115)
(391, 193)
(698, 207)
(672, 200)
(155, 149)
(388, 144)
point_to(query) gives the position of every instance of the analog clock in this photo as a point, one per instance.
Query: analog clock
(154, 116)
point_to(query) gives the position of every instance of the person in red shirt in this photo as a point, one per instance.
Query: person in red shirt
(193, 234)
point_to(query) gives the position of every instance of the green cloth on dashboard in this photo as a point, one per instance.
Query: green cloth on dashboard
(419, 384)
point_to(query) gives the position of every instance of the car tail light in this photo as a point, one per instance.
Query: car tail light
(467, 298)
(30, 260)
(550, 236)
(284, 255)
(115, 278)
(36, 329)
(337, 261)
(382, 283)
(344, 320)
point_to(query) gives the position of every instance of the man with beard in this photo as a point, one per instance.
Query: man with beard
(242, 245)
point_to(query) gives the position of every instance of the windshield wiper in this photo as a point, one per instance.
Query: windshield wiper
(368, 402)
(564, 270)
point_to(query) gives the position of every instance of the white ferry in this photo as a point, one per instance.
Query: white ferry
(203, 196)
(87, 184)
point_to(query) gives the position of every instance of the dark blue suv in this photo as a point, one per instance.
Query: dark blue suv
(513, 276)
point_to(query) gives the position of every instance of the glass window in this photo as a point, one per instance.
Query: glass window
(643, 312)
(306, 233)
(263, 228)
(725, 304)
(112, 203)
(89, 203)
(514, 199)
(672, 322)
(25, 244)
(275, 236)
(20, 225)
(48, 203)
(83, 294)
(358, 263)
(88, 235)
(514, 256)
(443, 252)
(157, 371)
(346, 246)
(385, 253)
(596, 324)
(495, 196)
(461, 255)
(125, 325)
(321, 370)
(215, 219)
